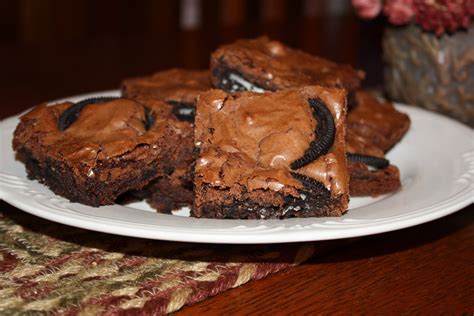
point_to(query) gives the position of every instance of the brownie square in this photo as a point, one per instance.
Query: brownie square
(373, 127)
(377, 122)
(93, 151)
(262, 64)
(271, 155)
(177, 87)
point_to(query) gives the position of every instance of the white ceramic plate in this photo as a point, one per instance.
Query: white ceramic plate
(436, 159)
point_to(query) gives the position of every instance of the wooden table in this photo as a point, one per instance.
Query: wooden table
(427, 269)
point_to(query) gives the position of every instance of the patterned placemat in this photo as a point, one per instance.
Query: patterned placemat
(51, 268)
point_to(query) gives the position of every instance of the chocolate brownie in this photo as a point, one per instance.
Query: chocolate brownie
(367, 182)
(177, 87)
(378, 122)
(94, 150)
(271, 155)
(171, 192)
(174, 189)
(262, 64)
(373, 127)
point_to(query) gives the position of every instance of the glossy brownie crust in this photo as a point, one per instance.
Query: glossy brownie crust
(177, 87)
(243, 166)
(378, 123)
(270, 65)
(107, 151)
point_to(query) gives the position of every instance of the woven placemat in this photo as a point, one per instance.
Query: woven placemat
(55, 269)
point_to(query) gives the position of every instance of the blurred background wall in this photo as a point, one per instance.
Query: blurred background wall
(59, 39)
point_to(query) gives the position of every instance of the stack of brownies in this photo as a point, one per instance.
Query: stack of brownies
(268, 132)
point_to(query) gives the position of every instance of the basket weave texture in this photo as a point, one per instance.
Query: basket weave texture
(55, 269)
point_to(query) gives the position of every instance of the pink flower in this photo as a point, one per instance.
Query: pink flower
(399, 11)
(442, 16)
(438, 16)
(367, 9)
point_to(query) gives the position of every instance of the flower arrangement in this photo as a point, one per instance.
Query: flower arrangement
(438, 16)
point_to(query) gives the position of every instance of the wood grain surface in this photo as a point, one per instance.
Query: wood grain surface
(427, 269)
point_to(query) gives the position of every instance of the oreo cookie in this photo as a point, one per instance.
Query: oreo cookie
(71, 114)
(376, 162)
(324, 135)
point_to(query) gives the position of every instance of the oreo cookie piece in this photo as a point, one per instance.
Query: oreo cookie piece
(372, 161)
(183, 111)
(70, 115)
(324, 134)
(311, 184)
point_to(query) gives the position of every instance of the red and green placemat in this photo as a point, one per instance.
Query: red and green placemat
(55, 269)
